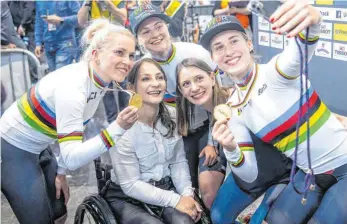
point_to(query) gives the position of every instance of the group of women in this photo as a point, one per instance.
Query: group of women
(162, 154)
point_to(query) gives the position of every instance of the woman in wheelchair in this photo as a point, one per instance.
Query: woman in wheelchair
(152, 182)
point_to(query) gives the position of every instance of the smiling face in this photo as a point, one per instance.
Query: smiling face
(154, 35)
(231, 51)
(196, 85)
(151, 83)
(116, 58)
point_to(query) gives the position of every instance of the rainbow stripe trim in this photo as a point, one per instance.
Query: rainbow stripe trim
(106, 138)
(40, 117)
(170, 58)
(74, 136)
(282, 131)
(310, 41)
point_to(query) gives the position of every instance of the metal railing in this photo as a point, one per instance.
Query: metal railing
(15, 73)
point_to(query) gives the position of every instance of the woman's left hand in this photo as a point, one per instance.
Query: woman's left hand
(61, 185)
(294, 16)
(210, 155)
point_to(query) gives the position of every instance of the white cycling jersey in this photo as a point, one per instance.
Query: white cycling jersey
(57, 108)
(266, 103)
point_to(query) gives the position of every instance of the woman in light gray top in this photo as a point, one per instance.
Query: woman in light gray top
(149, 160)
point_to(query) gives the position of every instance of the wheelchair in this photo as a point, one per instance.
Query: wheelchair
(94, 208)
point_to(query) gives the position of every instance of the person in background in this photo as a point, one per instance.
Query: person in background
(114, 10)
(9, 37)
(23, 15)
(235, 8)
(55, 32)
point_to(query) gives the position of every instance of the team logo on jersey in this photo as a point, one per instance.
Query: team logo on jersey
(92, 96)
(262, 89)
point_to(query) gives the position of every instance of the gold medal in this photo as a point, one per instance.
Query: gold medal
(222, 111)
(135, 100)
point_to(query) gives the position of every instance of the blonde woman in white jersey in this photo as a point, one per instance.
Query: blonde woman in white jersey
(57, 108)
(266, 103)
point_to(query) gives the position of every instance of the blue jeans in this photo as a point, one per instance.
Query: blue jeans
(322, 206)
(231, 201)
(60, 54)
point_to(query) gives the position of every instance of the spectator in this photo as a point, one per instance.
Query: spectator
(23, 15)
(113, 10)
(176, 10)
(55, 29)
(236, 8)
(9, 38)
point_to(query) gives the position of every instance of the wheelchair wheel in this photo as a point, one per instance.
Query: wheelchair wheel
(94, 210)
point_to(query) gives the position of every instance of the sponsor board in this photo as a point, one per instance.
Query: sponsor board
(264, 38)
(340, 51)
(327, 13)
(286, 41)
(341, 15)
(263, 24)
(277, 41)
(326, 30)
(323, 49)
(340, 32)
(324, 2)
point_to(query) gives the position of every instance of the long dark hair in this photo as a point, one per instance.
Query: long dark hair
(164, 114)
(184, 108)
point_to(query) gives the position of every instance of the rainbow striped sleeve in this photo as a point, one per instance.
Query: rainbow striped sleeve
(244, 146)
(106, 138)
(73, 136)
(239, 162)
(310, 41)
(283, 74)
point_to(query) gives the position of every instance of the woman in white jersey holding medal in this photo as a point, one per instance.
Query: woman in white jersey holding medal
(196, 85)
(266, 103)
(149, 24)
(57, 108)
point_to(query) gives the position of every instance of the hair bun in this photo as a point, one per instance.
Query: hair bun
(94, 28)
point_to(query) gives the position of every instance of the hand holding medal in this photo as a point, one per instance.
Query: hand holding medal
(222, 111)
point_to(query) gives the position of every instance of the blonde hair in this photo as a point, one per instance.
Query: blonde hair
(97, 35)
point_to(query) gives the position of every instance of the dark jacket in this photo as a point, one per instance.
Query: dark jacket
(23, 13)
(6, 24)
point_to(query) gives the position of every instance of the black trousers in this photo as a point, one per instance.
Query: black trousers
(131, 211)
(28, 182)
